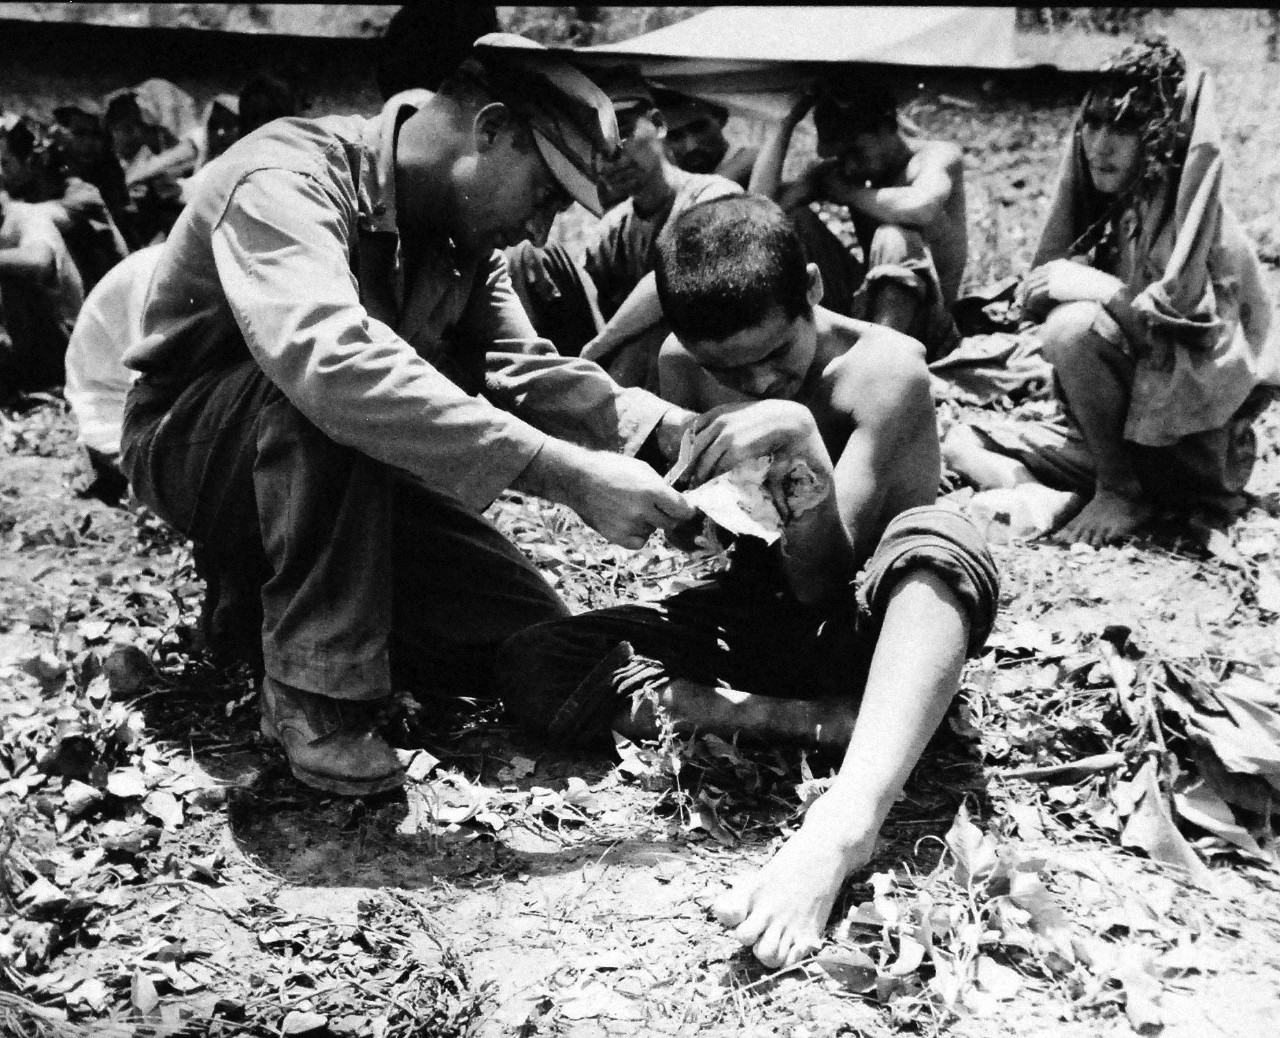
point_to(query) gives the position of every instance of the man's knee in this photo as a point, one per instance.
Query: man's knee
(537, 669)
(1068, 335)
(894, 244)
(946, 543)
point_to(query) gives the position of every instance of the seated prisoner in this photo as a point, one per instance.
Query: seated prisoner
(336, 379)
(45, 167)
(904, 194)
(41, 293)
(695, 137)
(851, 632)
(620, 249)
(1157, 315)
(146, 122)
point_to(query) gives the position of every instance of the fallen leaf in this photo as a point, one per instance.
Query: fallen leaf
(1267, 590)
(40, 893)
(594, 1000)
(298, 1022)
(1150, 827)
(1219, 545)
(911, 954)
(1201, 806)
(98, 690)
(128, 670)
(1027, 818)
(1187, 956)
(1018, 636)
(454, 800)
(702, 815)
(142, 993)
(851, 968)
(1142, 992)
(126, 782)
(208, 867)
(79, 797)
(164, 806)
(128, 838)
(1247, 739)
(490, 819)
(523, 766)
(420, 765)
(976, 854)
(634, 760)
(1252, 792)
(579, 794)
(159, 911)
(997, 979)
(92, 993)
(94, 630)
(46, 668)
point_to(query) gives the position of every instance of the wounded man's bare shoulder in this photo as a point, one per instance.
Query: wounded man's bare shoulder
(880, 371)
(880, 349)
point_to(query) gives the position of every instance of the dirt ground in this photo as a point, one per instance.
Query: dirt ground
(162, 873)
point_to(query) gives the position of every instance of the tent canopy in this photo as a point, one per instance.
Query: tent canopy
(751, 59)
(975, 37)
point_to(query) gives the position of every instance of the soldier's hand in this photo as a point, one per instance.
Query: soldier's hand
(625, 500)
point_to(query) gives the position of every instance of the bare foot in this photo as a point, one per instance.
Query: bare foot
(964, 450)
(1107, 517)
(782, 910)
(1021, 513)
(826, 724)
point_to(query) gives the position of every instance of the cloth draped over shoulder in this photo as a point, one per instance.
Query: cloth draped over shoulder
(109, 323)
(164, 104)
(1204, 328)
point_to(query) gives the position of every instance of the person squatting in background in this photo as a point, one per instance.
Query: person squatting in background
(695, 137)
(1157, 319)
(41, 292)
(904, 194)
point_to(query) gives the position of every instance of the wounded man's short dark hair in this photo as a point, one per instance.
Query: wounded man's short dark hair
(723, 265)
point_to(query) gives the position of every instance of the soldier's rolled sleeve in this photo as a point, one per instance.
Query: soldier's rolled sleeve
(567, 397)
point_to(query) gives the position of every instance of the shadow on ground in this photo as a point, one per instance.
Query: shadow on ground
(408, 839)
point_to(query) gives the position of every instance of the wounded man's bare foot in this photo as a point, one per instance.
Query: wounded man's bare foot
(782, 910)
(1107, 517)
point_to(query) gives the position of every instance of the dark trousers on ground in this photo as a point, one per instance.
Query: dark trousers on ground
(741, 629)
(33, 340)
(365, 579)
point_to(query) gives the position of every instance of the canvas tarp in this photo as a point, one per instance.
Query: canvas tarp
(978, 37)
(750, 58)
